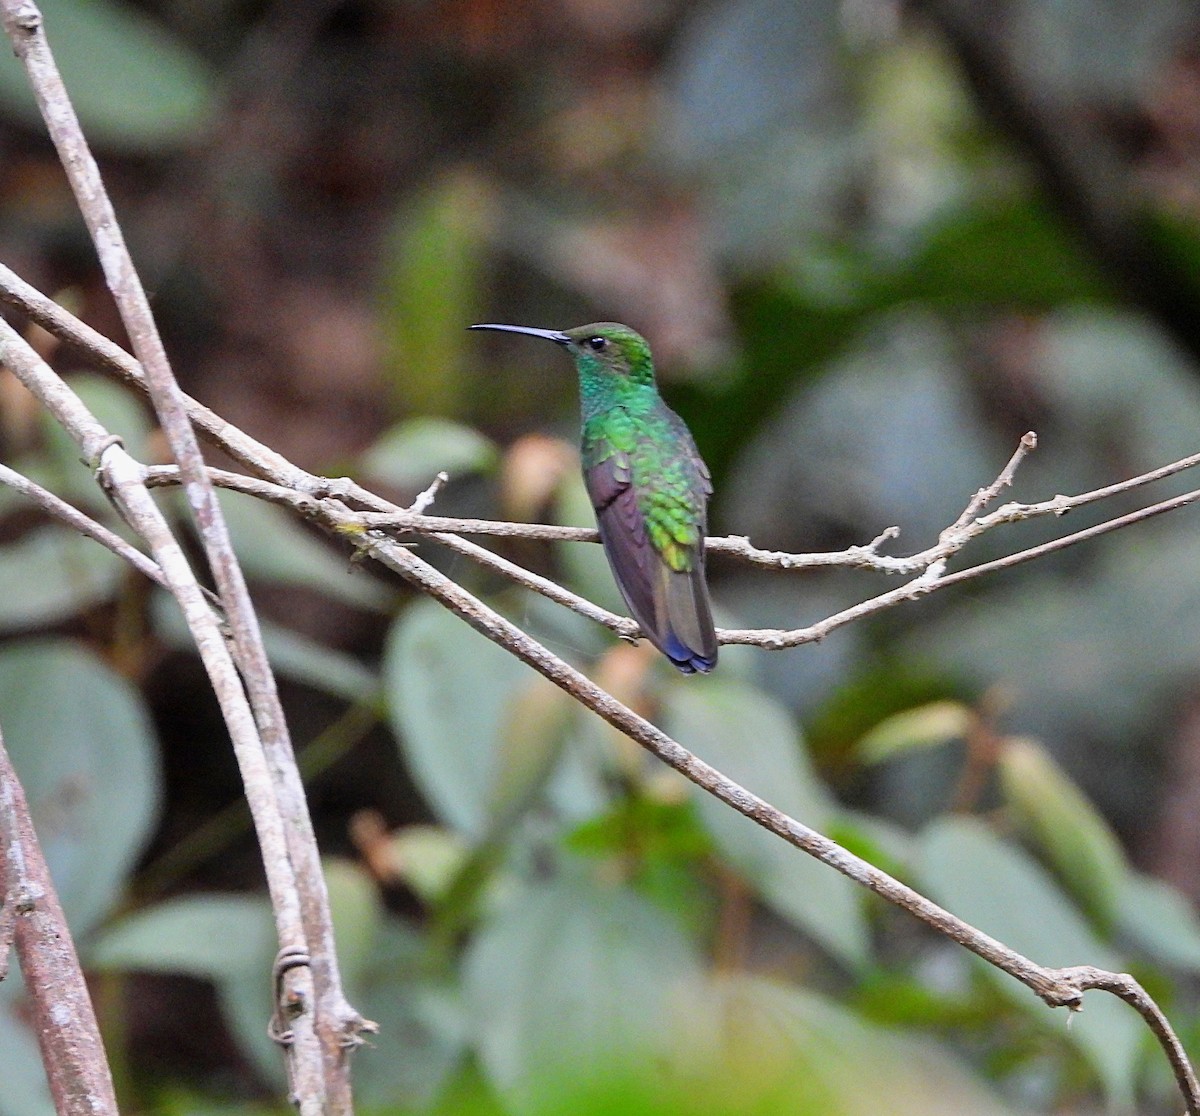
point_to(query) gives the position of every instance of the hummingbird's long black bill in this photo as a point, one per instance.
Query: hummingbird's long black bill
(555, 335)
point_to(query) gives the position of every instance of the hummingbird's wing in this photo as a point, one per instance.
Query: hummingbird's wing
(652, 527)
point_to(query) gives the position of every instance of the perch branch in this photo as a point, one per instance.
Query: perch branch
(928, 564)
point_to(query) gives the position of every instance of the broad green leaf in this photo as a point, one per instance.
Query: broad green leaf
(748, 737)
(1001, 250)
(84, 750)
(357, 912)
(574, 977)
(228, 940)
(1160, 919)
(132, 83)
(423, 1025)
(1056, 814)
(412, 453)
(272, 546)
(1001, 891)
(927, 726)
(449, 695)
(25, 1091)
(427, 858)
(292, 655)
(51, 573)
(205, 936)
(785, 1049)
(430, 293)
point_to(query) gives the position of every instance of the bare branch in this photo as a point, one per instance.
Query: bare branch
(1124, 987)
(325, 1086)
(32, 920)
(123, 480)
(1056, 987)
(928, 565)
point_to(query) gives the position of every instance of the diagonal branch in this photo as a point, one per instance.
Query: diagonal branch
(32, 920)
(329, 503)
(84, 524)
(337, 1023)
(1056, 987)
(122, 479)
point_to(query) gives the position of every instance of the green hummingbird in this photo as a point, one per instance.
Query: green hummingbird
(648, 486)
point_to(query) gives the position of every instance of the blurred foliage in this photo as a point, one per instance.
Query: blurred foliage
(863, 281)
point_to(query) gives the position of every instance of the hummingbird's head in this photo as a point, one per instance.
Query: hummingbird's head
(602, 351)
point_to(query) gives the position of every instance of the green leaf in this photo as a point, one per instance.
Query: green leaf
(928, 726)
(1160, 919)
(751, 739)
(429, 296)
(449, 693)
(83, 748)
(422, 1035)
(1056, 814)
(292, 655)
(272, 546)
(228, 940)
(412, 453)
(133, 84)
(1007, 252)
(205, 936)
(571, 979)
(357, 912)
(786, 1049)
(25, 1090)
(997, 888)
(52, 573)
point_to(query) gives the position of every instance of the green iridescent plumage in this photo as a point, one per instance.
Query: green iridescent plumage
(648, 485)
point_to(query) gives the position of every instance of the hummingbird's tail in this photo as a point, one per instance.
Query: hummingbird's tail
(670, 605)
(684, 630)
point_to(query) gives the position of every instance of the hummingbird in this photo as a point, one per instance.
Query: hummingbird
(648, 486)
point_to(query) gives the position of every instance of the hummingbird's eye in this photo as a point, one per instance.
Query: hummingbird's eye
(597, 344)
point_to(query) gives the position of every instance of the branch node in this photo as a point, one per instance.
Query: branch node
(886, 535)
(288, 1003)
(26, 17)
(426, 497)
(340, 488)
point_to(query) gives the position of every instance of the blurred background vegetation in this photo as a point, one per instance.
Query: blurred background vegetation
(872, 243)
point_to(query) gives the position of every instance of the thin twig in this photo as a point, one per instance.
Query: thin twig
(31, 919)
(290, 482)
(928, 565)
(84, 524)
(1125, 987)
